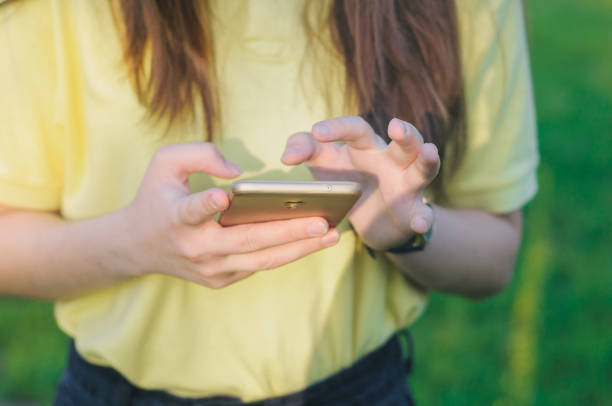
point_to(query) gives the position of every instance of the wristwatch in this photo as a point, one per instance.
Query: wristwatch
(417, 242)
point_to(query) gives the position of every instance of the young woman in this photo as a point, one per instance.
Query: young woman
(124, 122)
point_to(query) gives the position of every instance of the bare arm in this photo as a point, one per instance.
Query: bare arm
(164, 230)
(45, 257)
(472, 253)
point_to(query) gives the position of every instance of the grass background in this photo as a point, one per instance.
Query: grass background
(547, 340)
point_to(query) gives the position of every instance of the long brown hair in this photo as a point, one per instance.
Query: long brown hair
(401, 59)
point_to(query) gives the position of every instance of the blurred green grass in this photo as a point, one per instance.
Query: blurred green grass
(547, 340)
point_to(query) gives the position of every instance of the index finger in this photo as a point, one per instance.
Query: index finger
(353, 130)
(300, 147)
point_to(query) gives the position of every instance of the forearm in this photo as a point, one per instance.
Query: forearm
(472, 253)
(47, 258)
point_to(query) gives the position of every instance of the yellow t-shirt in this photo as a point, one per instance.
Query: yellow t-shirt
(73, 139)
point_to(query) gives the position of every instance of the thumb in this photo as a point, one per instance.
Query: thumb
(179, 160)
(200, 207)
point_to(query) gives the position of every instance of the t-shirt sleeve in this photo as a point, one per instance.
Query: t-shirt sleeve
(498, 172)
(30, 145)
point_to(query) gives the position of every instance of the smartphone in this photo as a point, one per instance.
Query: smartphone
(256, 201)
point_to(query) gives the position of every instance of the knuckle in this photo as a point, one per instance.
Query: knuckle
(208, 147)
(210, 150)
(188, 250)
(216, 283)
(359, 123)
(208, 271)
(358, 120)
(296, 230)
(249, 238)
(161, 154)
(297, 137)
(436, 170)
(431, 169)
(430, 153)
(298, 233)
(434, 149)
(187, 212)
(304, 139)
(266, 262)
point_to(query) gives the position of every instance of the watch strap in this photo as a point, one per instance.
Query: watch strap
(417, 242)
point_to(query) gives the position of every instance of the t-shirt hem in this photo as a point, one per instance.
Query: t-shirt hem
(61, 323)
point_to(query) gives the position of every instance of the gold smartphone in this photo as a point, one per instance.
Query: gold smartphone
(263, 200)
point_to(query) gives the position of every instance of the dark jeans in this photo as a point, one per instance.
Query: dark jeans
(378, 379)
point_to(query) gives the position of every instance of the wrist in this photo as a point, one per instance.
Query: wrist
(116, 237)
(414, 243)
(417, 242)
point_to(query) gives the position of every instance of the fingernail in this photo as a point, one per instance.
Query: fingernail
(233, 167)
(322, 129)
(291, 151)
(331, 238)
(216, 203)
(317, 228)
